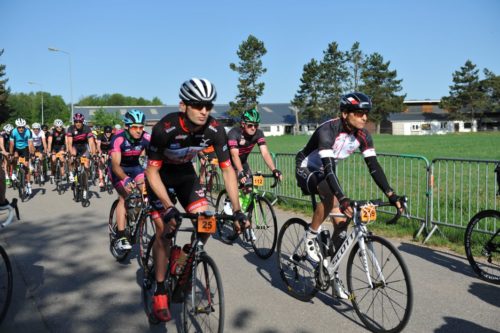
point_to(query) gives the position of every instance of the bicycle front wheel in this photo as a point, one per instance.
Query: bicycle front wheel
(203, 307)
(225, 230)
(146, 233)
(212, 187)
(482, 245)
(386, 305)
(265, 227)
(5, 283)
(298, 273)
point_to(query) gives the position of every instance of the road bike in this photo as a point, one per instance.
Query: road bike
(482, 242)
(260, 212)
(197, 284)
(58, 179)
(6, 278)
(80, 186)
(139, 226)
(378, 281)
(20, 182)
(108, 186)
(210, 182)
(38, 169)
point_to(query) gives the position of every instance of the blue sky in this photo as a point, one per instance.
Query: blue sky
(148, 48)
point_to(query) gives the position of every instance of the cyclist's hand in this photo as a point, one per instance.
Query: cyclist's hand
(128, 184)
(242, 177)
(277, 174)
(170, 218)
(239, 220)
(345, 207)
(396, 200)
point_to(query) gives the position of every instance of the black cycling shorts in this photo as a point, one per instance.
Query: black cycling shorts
(308, 180)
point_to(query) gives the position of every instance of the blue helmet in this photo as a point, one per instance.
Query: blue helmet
(134, 117)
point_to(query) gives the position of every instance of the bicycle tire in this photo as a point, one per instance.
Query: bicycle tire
(298, 273)
(112, 227)
(148, 283)
(212, 187)
(6, 283)
(225, 230)
(265, 227)
(83, 180)
(203, 307)
(57, 177)
(385, 307)
(147, 231)
(22, 184)
(482, 245)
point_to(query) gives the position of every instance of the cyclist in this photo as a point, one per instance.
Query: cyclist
(103, 145)
(56, 144)
(79, 141)
(176, 139)
(39, 143)
(21, 145)
(332, 141)
(126, 171)
(4, 149)
(45, 130)
(205, 156)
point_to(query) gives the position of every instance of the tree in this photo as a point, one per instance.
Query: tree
(490, 86)
(355, 57)
(465, 94)
(381, 85)
(117, 100)
(250, 68)
(307, 99)
(103, 118)
(333, 77)
(4, 94)
(28, 106)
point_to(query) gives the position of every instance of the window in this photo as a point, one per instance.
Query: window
(467, 125)
(415, 127)
(265, 128)
(444, 125)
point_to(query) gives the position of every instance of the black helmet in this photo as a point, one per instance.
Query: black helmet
(355, 101)
(108, 129)
(45, 127)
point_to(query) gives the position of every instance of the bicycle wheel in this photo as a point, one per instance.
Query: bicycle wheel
(387, 306)
(5, 283)
(22, 184)
(225, 230)
(84, 183)
(265, 227)
(148, 283)
(146, 233)
(212, 187)
(298, 273)
(482, 245)
(203, 307)
(57, 177)
(112, 227)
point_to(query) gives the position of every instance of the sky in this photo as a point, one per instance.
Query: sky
(148, 48)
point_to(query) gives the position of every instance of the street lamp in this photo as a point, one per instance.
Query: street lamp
(53, 49)
(41, 87)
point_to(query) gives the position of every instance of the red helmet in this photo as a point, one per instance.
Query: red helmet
(78, 117)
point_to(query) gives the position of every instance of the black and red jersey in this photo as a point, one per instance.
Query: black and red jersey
(58, 138)
(80, 136)
(173, 143)
(238, 139)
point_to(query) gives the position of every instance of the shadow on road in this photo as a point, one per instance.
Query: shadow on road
(457, 325)
(486, 292)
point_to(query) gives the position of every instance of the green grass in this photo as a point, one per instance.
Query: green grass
(483, 145)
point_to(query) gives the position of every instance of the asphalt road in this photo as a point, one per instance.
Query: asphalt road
(67, 281)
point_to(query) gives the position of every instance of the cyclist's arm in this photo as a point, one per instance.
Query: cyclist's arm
(235, 158)
(31, 147)
(2, 146)
(331, 177)
(231, 183)
(154, 180)
(98, 142)
(50, 144)
(267, 157)
(11, 146)
(69, 143)
(44, 143)
(378, 175)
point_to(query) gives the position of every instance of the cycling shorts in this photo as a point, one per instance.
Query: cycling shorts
(134, 172)
(24, 152)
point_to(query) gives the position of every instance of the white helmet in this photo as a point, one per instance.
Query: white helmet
(36, 126)
(198, 90)
(117, 127)
(58, 123)
(20, 122)
(8, 128)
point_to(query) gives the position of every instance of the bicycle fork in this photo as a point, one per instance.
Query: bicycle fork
(364, 261)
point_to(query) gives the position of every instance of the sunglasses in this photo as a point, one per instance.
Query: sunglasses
(251, 125)
(360, 114)
(135, 127)
(200, 105)
(78, 122)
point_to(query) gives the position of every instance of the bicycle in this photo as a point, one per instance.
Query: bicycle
(377, 277)
(93, 169)
(20, 182)
(260, 213)
(108, 186)
(6, 278)
(210, 183)
(482, 242)
(139, 227)
(197, 284)
(58, 179)
(80, 186)
(38, 169)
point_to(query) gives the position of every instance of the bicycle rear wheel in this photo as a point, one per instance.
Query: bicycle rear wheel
(298, 273)
(146, 234)
(203, 307)
(148, 283)
(5, 283)
(119, 255)
(225, 230)
(265, 227)
(84, 183)
(212, 186)
(22, 184)
(387, 306)
(482, 245)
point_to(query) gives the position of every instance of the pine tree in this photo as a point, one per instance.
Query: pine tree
(333, 78)
(307, 99)
(250, 68)
(355, 60)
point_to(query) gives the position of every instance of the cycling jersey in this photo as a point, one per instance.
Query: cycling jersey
(80, 136)
(37, 139)
(58, 140)
(129, 148)
(6, 140)
(20, 139)
(105, 142)
(238, 139)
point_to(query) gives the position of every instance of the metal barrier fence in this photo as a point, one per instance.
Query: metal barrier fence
(446, 192)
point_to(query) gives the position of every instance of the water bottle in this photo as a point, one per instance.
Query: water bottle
(228, 210)
(244, 201)
(175, 252)
(181, 260)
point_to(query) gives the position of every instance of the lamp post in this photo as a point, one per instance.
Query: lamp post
(41, 92)
(53, 49)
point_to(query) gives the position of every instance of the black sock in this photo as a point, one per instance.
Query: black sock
(160, 288)
(120, 234)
